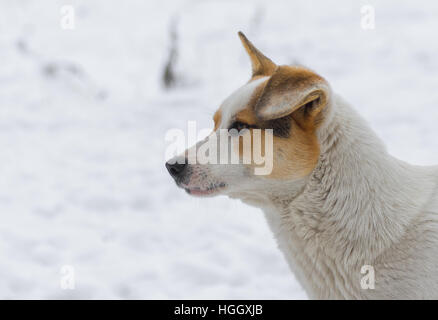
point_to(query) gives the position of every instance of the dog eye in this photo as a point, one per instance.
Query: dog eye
(237, 125)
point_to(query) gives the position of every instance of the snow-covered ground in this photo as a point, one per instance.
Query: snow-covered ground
(83, 117)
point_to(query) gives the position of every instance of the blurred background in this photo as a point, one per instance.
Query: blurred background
(85, 103)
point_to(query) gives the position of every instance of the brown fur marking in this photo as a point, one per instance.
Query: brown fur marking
(296, 148)
(217, 118)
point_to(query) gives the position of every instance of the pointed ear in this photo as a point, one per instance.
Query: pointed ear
(293, 90)
(261, 66)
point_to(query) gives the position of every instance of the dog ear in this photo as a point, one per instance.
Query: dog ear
(261, 65)
(293, 90)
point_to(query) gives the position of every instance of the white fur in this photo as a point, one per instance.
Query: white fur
(238, 101)
(360, 206)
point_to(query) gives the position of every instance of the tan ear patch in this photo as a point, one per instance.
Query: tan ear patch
(288, 89)
(261, 65)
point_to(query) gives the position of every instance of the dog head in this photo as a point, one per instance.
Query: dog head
(277, 113)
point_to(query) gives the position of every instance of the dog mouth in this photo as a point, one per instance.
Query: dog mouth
(206, 191)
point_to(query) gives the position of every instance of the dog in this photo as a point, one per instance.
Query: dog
(352, 221)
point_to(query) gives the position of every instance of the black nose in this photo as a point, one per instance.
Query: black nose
(176, 169)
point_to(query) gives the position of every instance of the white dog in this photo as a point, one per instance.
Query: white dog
(336, 201)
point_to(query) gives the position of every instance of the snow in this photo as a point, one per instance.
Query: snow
(83, 117)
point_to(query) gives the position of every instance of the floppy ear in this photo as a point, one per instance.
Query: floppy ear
(293, 90)
(261, 66)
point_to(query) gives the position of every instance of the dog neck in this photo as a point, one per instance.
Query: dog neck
(355, 205)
